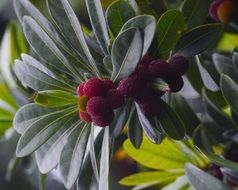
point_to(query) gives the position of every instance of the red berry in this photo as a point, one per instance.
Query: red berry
(80, 89)
(213, 9)
(93, 87)
(143, 74)
(115, 98)
(175, 83)
(159, 68)
(151, 108)
(179, 65)
(129, 87)
(225, 11)
(145, 60)
(108, 84)
(146, 94)
(85, 117)
(105, 120)
(98, 107)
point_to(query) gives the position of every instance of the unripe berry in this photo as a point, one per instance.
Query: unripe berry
(178, 65)
(159, 68)
(115, 98)
(151, 109)
(80, 89)
(108, 84)
(93, 87)
(105, 120)
(98, 107)
(82, 103)
(175, 83)
(85, 117)
(129, 87)
(213, 9)
(224, 11)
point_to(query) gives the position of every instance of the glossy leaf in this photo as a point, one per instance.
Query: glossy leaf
(117, 14)
(99, 25)
(230, 92)
(171, 122)
(164, 156)
(198, 39)
(126, 53)
(169, 29)
(147, 25)
(73, 153)
(204, 181)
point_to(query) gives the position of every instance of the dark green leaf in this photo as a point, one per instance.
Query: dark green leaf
(235, 59)
(204, 181)
(73, 153)
(160, 85)
(198, 39)
(171, 123)
(126, 53)
(169, 29)
(117, 14)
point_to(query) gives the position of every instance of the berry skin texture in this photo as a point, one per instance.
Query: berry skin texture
(80, 89)
(129, 87)
(147, 94)
(108, 84)
(93, 87)
(178, 65)
(224, 11)
(175, 84)
(85, 117)
(98, 107)
(146, 60)
(105, 120)
(159, 68)
(82, 103)
(151, 109)
(115, 98)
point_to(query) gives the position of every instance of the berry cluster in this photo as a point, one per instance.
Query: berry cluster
(97, 99)
(224, 10)
(139, 85)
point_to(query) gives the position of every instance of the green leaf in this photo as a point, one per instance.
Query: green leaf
(67, 22)
(198, 39)
(235, 59)
(171, 123)
(55, 98)
(180, 183)
(160, 85)
(164, 156)
(151, 132)
(99, 25)
(45, 47)
(42, 181)
(169, 29)
(185, 112)
(6, 96)
(48, 155)
(117, 14)
(204, 181)
(230, 92)
(73, 153)
(195, 11)
(146, 24)
(104, 161)
(126, 53)
(152, 177)
(135, 131)
(38, 132)
(36, 76)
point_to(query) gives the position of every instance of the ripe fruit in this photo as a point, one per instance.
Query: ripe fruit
(175, 83)
(129, 87)
(93, 87)
(146, 94)
(98, 107)
(80, 89)
(105, 120)
(151, 108)
(108, 84)
(159, 68)
(85, 117)
(178, 65)
(82, 103)
(224, 11)
(146, 60)
(115, 98)
(213, 9)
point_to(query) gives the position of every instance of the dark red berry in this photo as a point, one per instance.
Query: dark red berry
(159, 68)
(97, 107)
(151, 108)
(179, 65)
(93, 87)
(175, 83)
(80, 89)
(146, 60)
(85, 117)
(129, 87)
(105, 120)
(213, 9)
(146, 94)
(143, 74)
(115, 98)
(108, 84)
